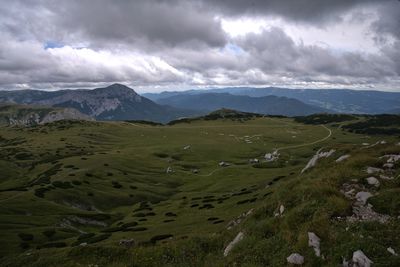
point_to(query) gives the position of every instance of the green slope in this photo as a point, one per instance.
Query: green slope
(69, 183)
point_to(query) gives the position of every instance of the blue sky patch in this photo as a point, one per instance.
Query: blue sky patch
(52, 44)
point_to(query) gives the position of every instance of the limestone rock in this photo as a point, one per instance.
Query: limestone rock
(363, 197)
(127, 242)
(373, 181)
(391, 251)
(371, 170)
(342, 158)
(232, 244)
(295, 258)
(360, 259)
(314, 242)
(314, 159)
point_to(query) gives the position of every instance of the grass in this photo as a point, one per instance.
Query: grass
(100, 182)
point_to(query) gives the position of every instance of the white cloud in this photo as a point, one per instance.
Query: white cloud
(175, 44)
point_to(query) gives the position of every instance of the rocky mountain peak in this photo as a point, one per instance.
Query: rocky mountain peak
(117, 88)
(119, 91)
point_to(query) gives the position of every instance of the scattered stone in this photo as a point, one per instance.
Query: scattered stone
(363, 197)
(342, 158)
(253, 161)
(366, 213)
(365, 144)
(314, 159)
(195, 171)
(224, 164)
(373, 181)
(345, 263)
(350, 193)
(314, 242)
(391, 251)
(388, 165)
(280, 211)
(360, 259)
(384, 177)
(295, 258)
(239, 219)
(392, 158)
(232, 244)
(169, 170)
(383, 142)
(361, 210)
(84, 244)
(269, 157)
(371, 170)
(186, 147)
(127, 243)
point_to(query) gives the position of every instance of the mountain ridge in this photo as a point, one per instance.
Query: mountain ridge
(114, 102)
(268, 105)
(337, 100)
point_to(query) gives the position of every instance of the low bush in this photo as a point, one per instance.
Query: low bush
(156, 238)
(25, 236)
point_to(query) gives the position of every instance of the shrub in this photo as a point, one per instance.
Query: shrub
(24, 245)
(49, 233)
(52, 245)
(63, 185)
(112, 229)
(86, 236)
(156, 238)
(39, 192)
(25, 236)
(136, 229)
(115, 184)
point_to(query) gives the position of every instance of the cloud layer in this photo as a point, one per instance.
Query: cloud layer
(176, 44)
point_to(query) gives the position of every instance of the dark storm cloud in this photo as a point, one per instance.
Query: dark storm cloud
(153, 42)
(388, 22)
(313, 11)
(274, 51)
(167, 23)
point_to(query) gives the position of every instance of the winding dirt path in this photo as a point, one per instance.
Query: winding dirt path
(278, 149)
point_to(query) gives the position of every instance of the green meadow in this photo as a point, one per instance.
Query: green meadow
(71, 191)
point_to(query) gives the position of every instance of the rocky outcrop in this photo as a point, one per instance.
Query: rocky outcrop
(295, 258)
(14, 115)
(342, 158)
(115, 102)
(239, 219)
(361, 259)
(314, 242)
(232, 244)
(362, 210)
(316, 157)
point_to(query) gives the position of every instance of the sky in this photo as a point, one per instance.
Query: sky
(157, 45)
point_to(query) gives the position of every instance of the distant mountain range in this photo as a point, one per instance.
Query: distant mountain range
(334, 100)
(269, 105)
(119, 102)
(115, 102)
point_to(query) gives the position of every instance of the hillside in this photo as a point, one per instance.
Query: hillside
(270, 105)
(115, 102)
(337, 100)
(24, 115)
(80, 193)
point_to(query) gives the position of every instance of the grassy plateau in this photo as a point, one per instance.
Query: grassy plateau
(78, 193)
